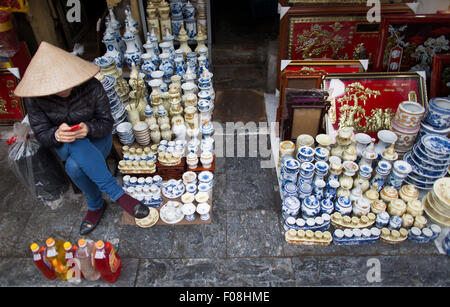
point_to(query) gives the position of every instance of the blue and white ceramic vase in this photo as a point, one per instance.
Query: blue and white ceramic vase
(191, 28)
(153, 39)
(331, 189)
(398, 174)
(147, 66)
(166, 67)
(304, 190)
(291, 169)
(188, 10)
(179, 68)
(191, 59)
(319, 189)
(177, 23)
(381, 172)
(132, 54)
(176, 8)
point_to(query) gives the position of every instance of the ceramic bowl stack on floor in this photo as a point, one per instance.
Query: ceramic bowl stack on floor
(437, 202)
(142, 133)
(125, 133)
(430, 159)
(406, 125)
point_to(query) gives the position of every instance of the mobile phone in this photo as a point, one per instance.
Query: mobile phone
(75, 127)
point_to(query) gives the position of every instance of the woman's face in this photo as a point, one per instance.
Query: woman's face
(64, 94)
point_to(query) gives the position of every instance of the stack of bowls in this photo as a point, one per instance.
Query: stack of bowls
(429, 160)
(125, 133)
(406, 125)
(437, 202)
(437, 118)
(142, 133)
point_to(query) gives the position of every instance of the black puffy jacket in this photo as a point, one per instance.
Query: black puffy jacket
(87, 103)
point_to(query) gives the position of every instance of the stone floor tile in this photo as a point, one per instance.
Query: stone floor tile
(178, 273)
(306, 271)
(253, 233)
(154, 242)
(12, 224)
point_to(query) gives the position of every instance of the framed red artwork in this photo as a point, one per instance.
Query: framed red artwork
(329, 66)
(339, 32)
(408, 43)
(300, 2)
(440, 79)
(368, 101)
(11, 106)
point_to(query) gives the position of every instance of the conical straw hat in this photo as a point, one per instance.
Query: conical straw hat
(53, 70)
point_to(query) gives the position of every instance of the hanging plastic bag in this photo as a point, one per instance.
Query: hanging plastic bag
(36, 166)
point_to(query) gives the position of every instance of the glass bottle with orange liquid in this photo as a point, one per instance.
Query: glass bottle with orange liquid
(55, 255)
(106, 261)
(40, 261)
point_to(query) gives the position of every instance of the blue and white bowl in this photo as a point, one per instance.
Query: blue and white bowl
(427, 129)
(412, 156)
(436, 145)
(422, 169)
(438, 113)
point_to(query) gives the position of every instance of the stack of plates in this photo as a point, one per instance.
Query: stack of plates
(437, 202)
(125, 133)
(429, 159)
(142, 133)
(117, 107)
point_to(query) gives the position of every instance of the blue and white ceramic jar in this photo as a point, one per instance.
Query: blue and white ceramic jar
(305, 154)
(291, 206)
(438, 113)
(188, 10)
(191, 59)
(147, 66)
(326, 206)
(310, 207)
(343, 205)
(304, 190)
(321, 168)
(395, 222)
(321, 154)
(207, 130)
(289, 190)
(307, 169)
(290, 170)
(176, 8)
(179, 68)
(398, 174)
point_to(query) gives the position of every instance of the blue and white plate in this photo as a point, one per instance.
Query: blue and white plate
(424, 164)
(205, 176)
(418, 150)
(418, 184)
(173, 189)
(436, 145)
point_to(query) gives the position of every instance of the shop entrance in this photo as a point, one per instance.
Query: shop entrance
(244, 44)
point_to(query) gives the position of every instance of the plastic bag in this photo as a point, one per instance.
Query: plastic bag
(36, 166)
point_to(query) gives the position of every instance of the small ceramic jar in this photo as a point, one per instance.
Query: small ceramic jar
(326, 206)
(388, 194)
(420, 221)
(287, 148)
(414, 207)
(305, 154)
(331, 189)
(408, 193)
(361, 207)
(407, 220)
(310, 207)
(192, 160)
(382, 219)
(206, 158)
(291, 206)
(397, 207)
(343, 205)
(372, 194)
(378, 206)
(395, 222)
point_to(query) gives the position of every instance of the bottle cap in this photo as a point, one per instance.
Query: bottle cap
(82, 243)
(34, 247)
(50, 242)
(100, 244)
(67, 245)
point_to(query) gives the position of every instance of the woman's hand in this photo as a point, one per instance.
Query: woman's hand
(65, 135)
(82, 131)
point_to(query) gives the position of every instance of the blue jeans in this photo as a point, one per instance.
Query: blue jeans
(86, 166)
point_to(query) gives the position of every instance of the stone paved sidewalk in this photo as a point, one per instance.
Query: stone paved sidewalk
(243, 246)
